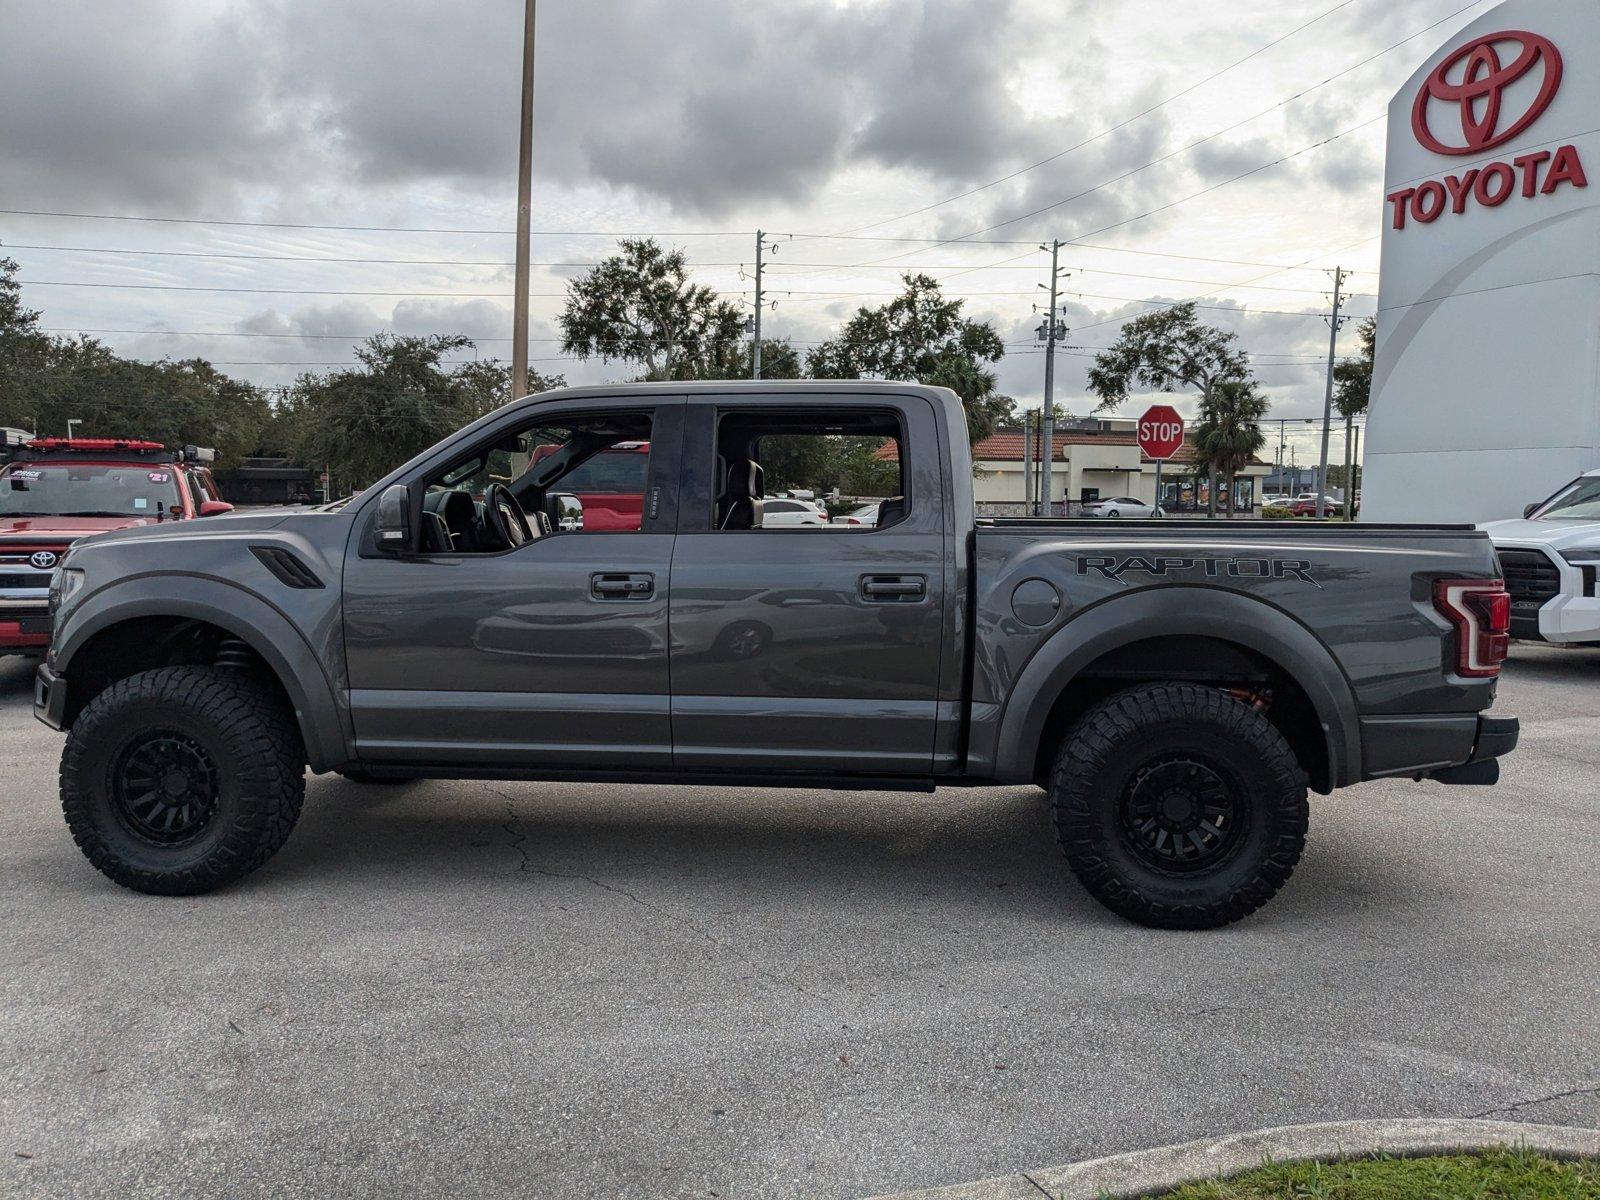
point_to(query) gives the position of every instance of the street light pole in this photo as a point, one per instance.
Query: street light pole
(519, 306)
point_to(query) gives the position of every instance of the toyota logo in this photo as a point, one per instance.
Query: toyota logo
(1474, 79)
(42, 559)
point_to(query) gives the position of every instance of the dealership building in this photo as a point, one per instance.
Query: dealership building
(1486, 384)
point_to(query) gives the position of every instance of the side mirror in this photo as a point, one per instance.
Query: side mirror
(214, 508)
(568, 511)
(1531, 509)
(392, 530)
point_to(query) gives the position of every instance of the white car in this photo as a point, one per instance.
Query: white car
(782, 511)
(866, 515)
(1551, 563)
(1121, 506)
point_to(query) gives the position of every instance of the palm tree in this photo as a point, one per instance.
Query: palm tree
(1229, 434)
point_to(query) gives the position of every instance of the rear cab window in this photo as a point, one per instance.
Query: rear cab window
(847, 457)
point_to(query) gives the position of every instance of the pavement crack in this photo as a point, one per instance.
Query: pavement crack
(526, 866)
(1589, 1089)
(1037, 1184)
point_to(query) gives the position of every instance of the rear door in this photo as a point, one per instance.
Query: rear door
(812, 647)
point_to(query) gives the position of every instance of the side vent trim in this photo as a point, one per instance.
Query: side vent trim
(291, 572)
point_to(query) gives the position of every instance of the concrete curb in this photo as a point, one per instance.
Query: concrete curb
(1149, 1171)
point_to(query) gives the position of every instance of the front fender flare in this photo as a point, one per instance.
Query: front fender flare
(242, 613)
(1164, 612)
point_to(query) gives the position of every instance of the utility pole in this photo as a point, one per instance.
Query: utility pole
(755, 346)
(1327, 399)
(519, 307)
(1027, 465)
(1047, 434)
(1351, 474)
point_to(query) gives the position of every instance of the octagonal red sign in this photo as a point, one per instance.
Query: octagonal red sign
(1160, 431)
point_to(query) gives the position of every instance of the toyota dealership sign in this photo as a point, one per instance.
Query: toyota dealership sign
(1466, 95)
(1486, 386)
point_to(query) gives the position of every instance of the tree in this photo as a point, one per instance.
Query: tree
(639, 306)
(24, 353)
(921, 336)
(1163, 351)
(1352, 377)
(1229, 433)
(363, 422)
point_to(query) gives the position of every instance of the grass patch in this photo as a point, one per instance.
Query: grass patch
(1495, 1175)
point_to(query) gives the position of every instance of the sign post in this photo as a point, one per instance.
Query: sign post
(1160, 436)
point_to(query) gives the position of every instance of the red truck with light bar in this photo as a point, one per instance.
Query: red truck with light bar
(57, 490)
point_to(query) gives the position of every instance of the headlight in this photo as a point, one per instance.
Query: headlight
(1584, 556)
(64, 584)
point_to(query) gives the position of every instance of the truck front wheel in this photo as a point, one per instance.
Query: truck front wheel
(180, 780)
(1178, 806)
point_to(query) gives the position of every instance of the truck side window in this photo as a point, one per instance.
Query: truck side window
(575, 475)
(812, 468)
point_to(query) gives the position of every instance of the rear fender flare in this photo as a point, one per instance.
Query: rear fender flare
(242, 613)
(1178, 610)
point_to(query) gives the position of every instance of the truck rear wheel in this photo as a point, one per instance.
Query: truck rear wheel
(180, 780)
(1178, 806)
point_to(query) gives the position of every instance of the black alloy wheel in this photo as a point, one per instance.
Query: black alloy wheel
(1181, 813)
(165, 787)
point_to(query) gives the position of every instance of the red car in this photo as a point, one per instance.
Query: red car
(57, 490)
(610, 485)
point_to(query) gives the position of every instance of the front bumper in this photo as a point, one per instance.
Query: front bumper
(49, 697)
(1454, 748)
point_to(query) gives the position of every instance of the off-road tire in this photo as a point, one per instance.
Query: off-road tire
(249, 736)
(1164, 726)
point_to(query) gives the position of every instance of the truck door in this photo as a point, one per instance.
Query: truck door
(808, 647)
(548, 653)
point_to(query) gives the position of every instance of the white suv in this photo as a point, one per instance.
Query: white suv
(1551, 563)
(782, 510)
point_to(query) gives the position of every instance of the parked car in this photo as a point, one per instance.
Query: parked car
(1121, 506)
(1306, 506)
(608, 486)
(781, 511)
(867, 515)
(1551, 563)
(1177, 698)
(57, 490)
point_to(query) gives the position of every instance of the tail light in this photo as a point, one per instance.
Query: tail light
(1480, 610)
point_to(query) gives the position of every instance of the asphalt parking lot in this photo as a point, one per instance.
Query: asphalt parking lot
(552, 990)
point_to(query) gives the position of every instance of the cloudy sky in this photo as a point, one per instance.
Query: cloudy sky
(1124, 125)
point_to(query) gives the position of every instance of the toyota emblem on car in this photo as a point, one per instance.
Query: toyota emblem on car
(44, 560)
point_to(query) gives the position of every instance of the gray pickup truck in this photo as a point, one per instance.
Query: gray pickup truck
(581, 586)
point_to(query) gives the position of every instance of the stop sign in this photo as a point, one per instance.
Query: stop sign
(1160, 432)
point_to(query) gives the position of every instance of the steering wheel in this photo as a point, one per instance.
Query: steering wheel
(503, 519)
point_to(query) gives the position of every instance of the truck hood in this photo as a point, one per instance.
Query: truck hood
(196, 526)
(64, 529)
(1558, 535)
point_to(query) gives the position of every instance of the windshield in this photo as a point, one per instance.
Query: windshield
(67, 489)
(1578, 501)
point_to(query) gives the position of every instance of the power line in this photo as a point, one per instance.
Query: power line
(626, 233)
(314, 258)
(1107, 131)
(1209, 137)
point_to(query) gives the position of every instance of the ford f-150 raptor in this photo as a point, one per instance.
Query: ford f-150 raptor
(1176, 686)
